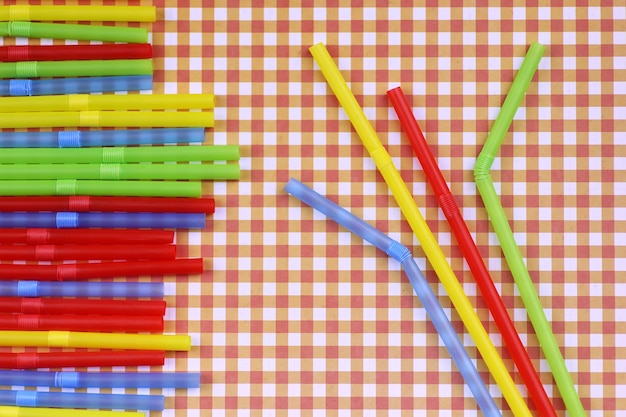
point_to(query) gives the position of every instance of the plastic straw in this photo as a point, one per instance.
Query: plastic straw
(510, 249)
(72, 220)
(82, 289)
(75, 32)
(26, 87)
(470, 252)
(116, 172)
(10, 411)
(83, 271)
(400, 253)
(78, 323)
(94, 340)
(92, 68)
(101, 188)
(82, 307)
(420, 229)
(77, 359)
(83, 236)
(85, 252)
(78, 13)
(15, 53)
(102, 379)
(82, 400)
(80, 102)
(92, 138)
(129, 204)
(120, 155)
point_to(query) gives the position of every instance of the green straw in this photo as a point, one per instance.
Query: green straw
(510, 249)
(104, 188)
(74, 32)
(119, 171)
(119, 155)
(90, 68)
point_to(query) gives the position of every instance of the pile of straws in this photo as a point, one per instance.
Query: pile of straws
(83, 204)
(435, 255)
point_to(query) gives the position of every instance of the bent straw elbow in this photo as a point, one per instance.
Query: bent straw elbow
(483, 166)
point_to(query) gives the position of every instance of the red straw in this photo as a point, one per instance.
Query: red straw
(84, 236)
(73, 272)
(83, 252)
(80, 323)
(82, 203)
(471, 253)
(74, 52)
(82, 306)
(79, 359)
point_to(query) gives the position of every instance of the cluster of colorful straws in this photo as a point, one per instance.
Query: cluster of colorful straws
(435, 255)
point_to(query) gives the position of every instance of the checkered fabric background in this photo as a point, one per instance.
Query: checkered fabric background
(297, 317)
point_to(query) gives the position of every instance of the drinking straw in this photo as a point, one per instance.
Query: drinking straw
(93, 68)
(470, 252)
(71, 220)
(101, 188)
(85, 252)
(80, 203)
(102, 379)
(75, 32)
(95, 340)
(78, 359)
(82, 289)
(79, 102)
(82, 307)
(79, 13)
(27, 87)
(106, 119)
(83, 236)
(15, 53)
(119, 155)
(79, 323)
(82, 400)
(400, 253)
(504, 233)
(91, 138)
(420, 229)
(119, 172)
(11, 411)
(83, 271)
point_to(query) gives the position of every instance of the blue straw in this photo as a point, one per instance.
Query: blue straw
(423, 291)
(101, 379)
(82, 400)
(57, 86)
(73, 220)
(96, 138)
(82, 289)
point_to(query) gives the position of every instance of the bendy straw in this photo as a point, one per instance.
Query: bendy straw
(470, 252)
(101, 188)
(74, 32)
(76, 359)
(423, 291)
(43, 87)
(12, 411)
(82, 307)
(73, 13)
(504, 233)
(82, 289)
(24, 398)
(420, 229)
(16, 53)
(93, 68)
(80, 102)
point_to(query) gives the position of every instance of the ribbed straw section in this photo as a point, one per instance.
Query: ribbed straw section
(26, 69)
(58, 338)
(27, 360)
(20, 88)
(27, 321)
(77, 102)
(18, 53)
(19, 12)
(448, 205)
(19, 29)
(67, 380)
(79, 203)
(482, 166)
(66, 187)
(44, 252)
(110, 171)
(113, 155)
(37, 236)
(27, 288)
(69, 139)
(31, 305)
(67, 272)
(67, 220)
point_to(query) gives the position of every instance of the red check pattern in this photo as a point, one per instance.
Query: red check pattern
(296, 317)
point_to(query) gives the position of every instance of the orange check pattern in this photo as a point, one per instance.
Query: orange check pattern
(297, 317)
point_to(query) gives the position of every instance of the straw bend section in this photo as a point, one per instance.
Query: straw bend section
(420, 228)
(470, 252)
(400, 253)
(505, 235)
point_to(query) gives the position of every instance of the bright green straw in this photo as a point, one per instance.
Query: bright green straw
(119, 171)
(119, 155)
(106, 188)
(505, 235)
(92, 68)
(74, 32)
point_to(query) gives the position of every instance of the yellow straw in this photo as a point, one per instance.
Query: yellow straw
(420, 228)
